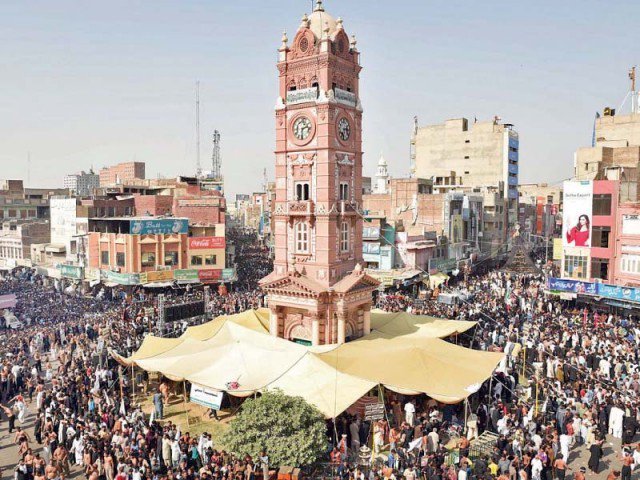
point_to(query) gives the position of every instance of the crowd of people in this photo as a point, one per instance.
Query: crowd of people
(581, 365)
(68, 406)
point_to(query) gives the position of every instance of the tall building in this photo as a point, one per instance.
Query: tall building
(483, 154)
(122, 173)
(82, 184)
(318, 292)
(614, 154)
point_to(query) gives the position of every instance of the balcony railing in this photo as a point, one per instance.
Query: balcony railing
(302, 96)
(301, 207)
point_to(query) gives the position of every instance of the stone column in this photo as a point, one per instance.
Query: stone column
(342, 326)
(315, 330)
(366, 327)
(273, 321)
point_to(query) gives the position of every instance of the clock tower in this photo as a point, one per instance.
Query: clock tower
(318, 292)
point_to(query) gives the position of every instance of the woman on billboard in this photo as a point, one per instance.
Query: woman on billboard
(580, 233)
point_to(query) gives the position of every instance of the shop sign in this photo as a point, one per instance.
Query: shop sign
(445, 265)
(228, 274)
(92, 274)
(619, 293)
(121, 278)
(159, 226)
(574, 286)
(185, 275)
(206, 243)
(71, 271)
(205, 397)
(209, 275)
(156, 276)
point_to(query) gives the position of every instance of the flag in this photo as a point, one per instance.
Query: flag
(415, 444)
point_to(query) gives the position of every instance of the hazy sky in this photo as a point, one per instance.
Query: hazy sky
(88, 83)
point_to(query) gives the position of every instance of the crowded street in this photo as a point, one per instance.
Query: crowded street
(566, 412)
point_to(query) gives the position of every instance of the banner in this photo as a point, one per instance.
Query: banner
(576, 215)
(619, 293)
(159, 226)
(8, 301)
(557, 249)
(121, 278)
(209, 275)
(229, 274)
(156, 276)
(205, 397)
(185, 275)
(71, 271)
(206, 243)
(574, 286)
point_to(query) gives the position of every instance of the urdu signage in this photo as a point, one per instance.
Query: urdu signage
(303, 95)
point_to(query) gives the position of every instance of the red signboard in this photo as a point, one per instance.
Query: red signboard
(209, 275)
(205, 243)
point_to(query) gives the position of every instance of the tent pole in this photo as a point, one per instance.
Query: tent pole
(184, 401)
(466, 407)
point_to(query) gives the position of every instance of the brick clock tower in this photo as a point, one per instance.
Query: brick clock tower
(318, 293)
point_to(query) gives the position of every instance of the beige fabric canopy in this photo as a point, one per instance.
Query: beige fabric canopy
(236, 354)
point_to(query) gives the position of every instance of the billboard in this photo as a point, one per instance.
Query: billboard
(576, 215)
(159, 226)
(574, 286)
(205, 397)
(206, 243)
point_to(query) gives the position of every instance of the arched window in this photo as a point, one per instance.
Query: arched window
(302, 191)
(302, 237)
(344, 237)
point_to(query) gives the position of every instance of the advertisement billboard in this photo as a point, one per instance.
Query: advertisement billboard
(206, 243)
(159, 226)
(209, 275)
(576, 215)
(574, 286)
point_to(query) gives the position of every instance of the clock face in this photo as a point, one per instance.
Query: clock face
(302, 128)
(344, 129)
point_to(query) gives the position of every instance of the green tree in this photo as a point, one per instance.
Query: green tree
(290, 430)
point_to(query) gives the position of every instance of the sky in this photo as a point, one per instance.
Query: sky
(88, 84)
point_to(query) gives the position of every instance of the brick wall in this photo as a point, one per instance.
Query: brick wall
(155, 205)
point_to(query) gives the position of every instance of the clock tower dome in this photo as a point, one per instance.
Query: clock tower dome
(318, 293)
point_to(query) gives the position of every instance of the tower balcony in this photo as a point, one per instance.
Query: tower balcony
(301, 208)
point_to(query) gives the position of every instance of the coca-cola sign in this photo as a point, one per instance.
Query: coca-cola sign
(205, 243)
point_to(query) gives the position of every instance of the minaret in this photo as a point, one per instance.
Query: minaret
(382, 176)
(318, 292)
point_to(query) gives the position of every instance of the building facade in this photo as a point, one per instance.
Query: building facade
(82, 184)
(318, 292)
(589, 227)
(122, 173)
(476, 155)
(627, 245)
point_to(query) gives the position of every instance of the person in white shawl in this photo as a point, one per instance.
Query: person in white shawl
(77, 448)
(615, 422)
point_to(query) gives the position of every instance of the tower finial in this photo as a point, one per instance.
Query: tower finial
(285, 39)
(319, 7)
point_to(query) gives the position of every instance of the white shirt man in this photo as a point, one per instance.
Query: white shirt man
(409, 412)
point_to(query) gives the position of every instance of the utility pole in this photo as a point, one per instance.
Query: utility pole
(198, 167)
